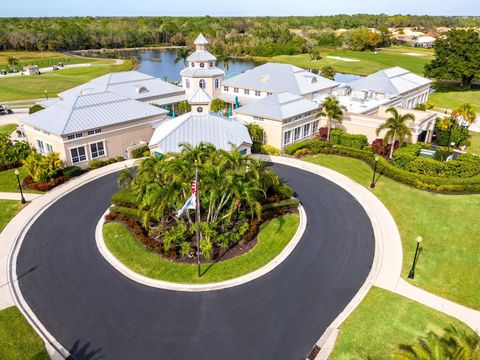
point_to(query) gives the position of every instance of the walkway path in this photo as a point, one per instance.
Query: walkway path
(47, 69)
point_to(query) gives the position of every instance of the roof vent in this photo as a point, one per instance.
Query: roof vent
(264, 78)
(140, 89)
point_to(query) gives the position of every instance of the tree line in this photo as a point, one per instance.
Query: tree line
(263, 36)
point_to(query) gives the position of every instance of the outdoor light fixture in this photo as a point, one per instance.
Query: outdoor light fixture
(46, 94)
(17, 174)
(411, 274)
(372, 184)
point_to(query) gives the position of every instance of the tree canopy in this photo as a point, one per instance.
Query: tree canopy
(457, 57)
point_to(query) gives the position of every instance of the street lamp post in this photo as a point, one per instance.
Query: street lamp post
(372, 184)
(411, 274)
(46, 94)
(22, 200)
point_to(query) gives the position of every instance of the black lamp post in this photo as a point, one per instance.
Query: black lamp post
(23, 201)
(411, 274)
(372, 184)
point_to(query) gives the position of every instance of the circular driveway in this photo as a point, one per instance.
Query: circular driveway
(97, 313)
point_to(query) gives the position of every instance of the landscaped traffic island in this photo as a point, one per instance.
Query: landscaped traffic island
(243, 213)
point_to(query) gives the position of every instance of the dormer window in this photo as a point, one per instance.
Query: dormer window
(202, 65)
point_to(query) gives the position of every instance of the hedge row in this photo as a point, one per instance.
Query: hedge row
(95, 164)
(420, 181)
(141, 152)
(354, 141)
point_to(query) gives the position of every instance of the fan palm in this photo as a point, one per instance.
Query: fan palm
(182, 55)
(333, 111)
(396, 127)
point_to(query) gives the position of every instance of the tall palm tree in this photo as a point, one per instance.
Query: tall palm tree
(333, 111)
(396, 127)
(182, 55)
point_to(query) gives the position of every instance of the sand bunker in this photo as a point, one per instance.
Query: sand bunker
(342, 59)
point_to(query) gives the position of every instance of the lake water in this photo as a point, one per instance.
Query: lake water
(161, 64)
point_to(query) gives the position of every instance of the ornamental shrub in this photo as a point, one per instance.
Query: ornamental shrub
(43, 168)
(405, 155)
(140, 152)
(269, 150)
(71, 171)
(355, 141)
(125, 198)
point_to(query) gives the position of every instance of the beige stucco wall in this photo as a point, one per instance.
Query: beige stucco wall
(118, 140)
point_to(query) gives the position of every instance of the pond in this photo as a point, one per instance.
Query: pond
(161, 64)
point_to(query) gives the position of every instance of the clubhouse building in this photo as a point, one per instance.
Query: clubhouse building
(118, 112)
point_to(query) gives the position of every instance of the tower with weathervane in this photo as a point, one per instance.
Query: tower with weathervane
(202, 71)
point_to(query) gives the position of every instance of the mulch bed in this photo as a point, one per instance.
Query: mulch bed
(247, 243)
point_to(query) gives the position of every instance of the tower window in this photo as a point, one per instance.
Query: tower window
(202, 65)
(217, 83)
(192, 64)
(211, 64)
(199, 109)
(202, 84)
(187, 83)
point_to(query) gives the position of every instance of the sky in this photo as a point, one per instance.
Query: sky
(238, 8)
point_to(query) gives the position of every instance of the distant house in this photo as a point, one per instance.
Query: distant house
(424, 41)
(92, 126)
(31, 70)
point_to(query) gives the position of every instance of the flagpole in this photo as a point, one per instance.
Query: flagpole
(197, 219)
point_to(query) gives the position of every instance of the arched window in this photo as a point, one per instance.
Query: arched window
(187, 83)
(201, 83)
(199, 109)
(192, 64)
(202, 65)
(217, 83)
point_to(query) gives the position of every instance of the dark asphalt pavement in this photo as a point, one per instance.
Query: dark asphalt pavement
(97, 313)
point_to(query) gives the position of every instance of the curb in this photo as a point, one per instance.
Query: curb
(53, 347)
(167, 285)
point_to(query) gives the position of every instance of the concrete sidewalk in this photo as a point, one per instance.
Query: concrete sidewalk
(28, 214)
(16, 196)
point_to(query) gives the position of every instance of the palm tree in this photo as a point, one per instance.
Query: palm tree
(333, 110)
(13, 62)
(224, 58)
(466, 113)
(217, 105)
(182, 55)
(396, 127)
(454, 344)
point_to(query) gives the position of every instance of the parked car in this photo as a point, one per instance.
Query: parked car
(60, 64)
(5, 110)
(55, 68)
(3, 72)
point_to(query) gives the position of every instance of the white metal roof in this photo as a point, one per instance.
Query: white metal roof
(276, 78)
(278, 106)
(201, 40)
(193, 129)
(199, 72)
(201, 56)
(169, 100)
(392, 81)
(131, 84)
(85, 112)
(199, 97)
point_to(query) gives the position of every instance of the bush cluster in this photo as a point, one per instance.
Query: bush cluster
(313, 147)
(354, 141)
(141, 152)
(71, 171)
(12, 153)
(269, 150)
(43, 168)
(95, 164)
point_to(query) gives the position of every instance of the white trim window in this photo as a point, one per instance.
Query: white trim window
(225, 88)
(49, 147)
(217, 83)
(257, 93)
(187, 83)
(40, 146)
(97, 149)
(287, 137)
(315, 125)
(202, 84)
(297, 133)
(78, 154)
(306, 130)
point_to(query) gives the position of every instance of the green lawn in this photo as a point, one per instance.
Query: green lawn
(450, 96)
(8, 180)
(273, 237)
(33, 87)
(18, 340)
(474, 148)
(42, 59)
(449, 264)
(382, 322)
(9, 210)
(369, 62)
(7, 128)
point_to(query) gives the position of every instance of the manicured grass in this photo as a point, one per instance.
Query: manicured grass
(7, 128)
(369, 62)
(474, 148)
(273, 237)
(8, 180)
(33, 87)
(382, 322)
(451, 96)
(42, 59)
(9, 210)
(18, 340)
(449, 264)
